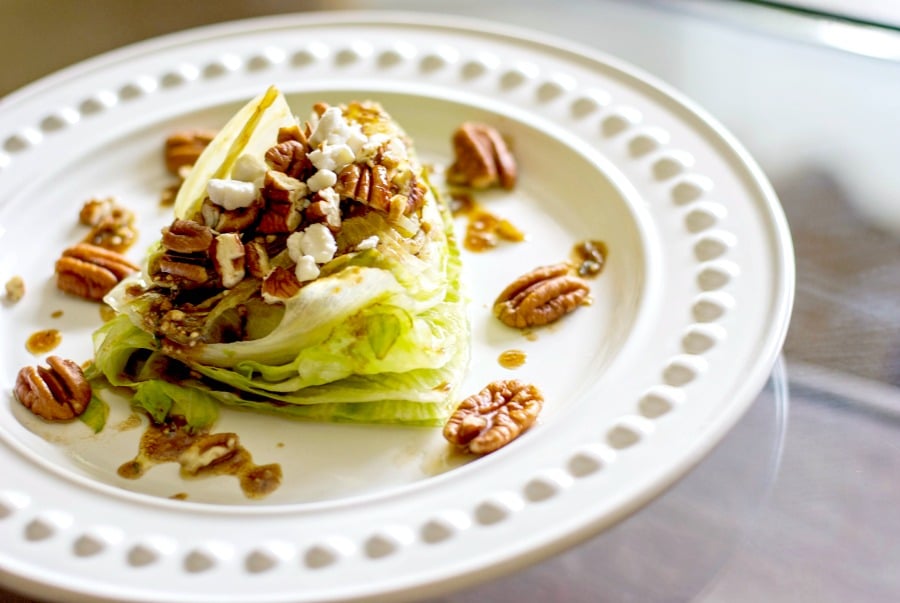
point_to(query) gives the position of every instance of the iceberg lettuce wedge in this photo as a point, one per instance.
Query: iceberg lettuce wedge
(348, 309)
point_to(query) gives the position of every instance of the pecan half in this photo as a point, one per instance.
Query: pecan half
(482, 158)
(540, 297)
(494, 417)
(367, 184)
(290, 158)
(91, 272)
(186, 236)
(183, 148)
(57, 393)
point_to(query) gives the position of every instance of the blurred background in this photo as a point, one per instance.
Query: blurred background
(813, 91)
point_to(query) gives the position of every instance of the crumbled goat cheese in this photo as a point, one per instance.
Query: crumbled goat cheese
(293, 246)
(306, 269)
(321, 179)
(332, 129)
(318, 242)
(231, 194)
(332, 157)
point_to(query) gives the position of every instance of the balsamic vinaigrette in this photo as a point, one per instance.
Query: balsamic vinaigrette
(41, 342)
(512, 359)
(202, 454)
(484, 230)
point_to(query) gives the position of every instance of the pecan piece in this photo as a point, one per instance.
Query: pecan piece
(227, 252)
(257, 259)
(209, 452)
(57, 393)
(240, 218)
(174, 270)
(367, 184)
(183, 148)
(279, 285)
(94, 210)
(290, 158)
(278, 186)
(540, 297)
(494, 417)
(91, 272)
(293, 132)
(186, 236)
(15, 289)
(112, 225)
(482, 158)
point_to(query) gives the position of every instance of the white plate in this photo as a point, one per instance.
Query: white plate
(686, 322)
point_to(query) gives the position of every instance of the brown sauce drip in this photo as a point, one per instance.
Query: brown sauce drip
(202, 454)
(484, 230)
(512, 359)
(589, 257)
(56, 314)
(44, 341)
(132, 422)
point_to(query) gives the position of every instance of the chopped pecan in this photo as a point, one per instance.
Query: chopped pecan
(15, 289)
(540, 297)
(279, 285)
(257, 259)
(415, 197)
(94, 210)
(240, 218)
(281, 217)
(482, 158)
(208, 452)
(367, 184)
(293, 132)
(325, 212)
(91, 272)
(186, 236)
(183, 148)
(57, 393)
(290, 158)
(494, 417)
(113, 224)
(227, 253)
(177, 270)
(320, 108)
(278, 186)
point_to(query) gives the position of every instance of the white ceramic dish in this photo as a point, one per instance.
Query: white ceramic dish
(687, 318)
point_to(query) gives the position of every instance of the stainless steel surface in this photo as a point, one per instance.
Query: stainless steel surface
(821, 114)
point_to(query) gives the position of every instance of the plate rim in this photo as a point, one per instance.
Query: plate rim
(781, 235)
